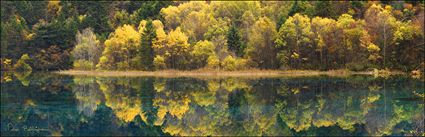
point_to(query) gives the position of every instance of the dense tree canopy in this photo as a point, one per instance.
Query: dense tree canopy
(140, 35)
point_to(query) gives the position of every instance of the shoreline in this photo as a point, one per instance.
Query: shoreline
(219, 73)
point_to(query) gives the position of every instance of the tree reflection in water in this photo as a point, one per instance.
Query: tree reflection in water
(48, 104)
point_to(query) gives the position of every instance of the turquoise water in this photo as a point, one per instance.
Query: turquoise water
(50, 104)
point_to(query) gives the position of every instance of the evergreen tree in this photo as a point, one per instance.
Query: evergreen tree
(321, 9)
(234, 41)
(294, 9)
(97, 15)
(146, 50)
(147, 9)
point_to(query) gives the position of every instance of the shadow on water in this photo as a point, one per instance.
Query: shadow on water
(49, 104)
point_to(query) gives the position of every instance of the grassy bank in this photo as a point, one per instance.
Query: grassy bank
(218, 73)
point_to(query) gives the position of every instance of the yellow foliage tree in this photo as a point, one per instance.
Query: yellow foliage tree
(231, 63)
(201, 52)
(261, 47)
(120, 49)
(176, 50)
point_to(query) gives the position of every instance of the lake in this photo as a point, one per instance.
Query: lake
(359, 105)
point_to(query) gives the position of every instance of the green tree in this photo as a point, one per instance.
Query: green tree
(58, 32)
(97, 15)
(15, 36)
(120, 18)
(321, 8)
(146, 46)
(332, 9)
(32, 11)
(234, 41)
(301, 7)
(148, 9)
(294, 9)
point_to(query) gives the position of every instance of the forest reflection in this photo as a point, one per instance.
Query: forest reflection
(321, 105)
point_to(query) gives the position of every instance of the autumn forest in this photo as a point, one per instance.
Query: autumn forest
(212, 68)
(219, 35)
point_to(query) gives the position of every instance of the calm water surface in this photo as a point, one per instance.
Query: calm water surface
(50, 104)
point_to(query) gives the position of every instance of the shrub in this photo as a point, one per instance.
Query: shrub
(103, 63)
(83, 65)
(159, 62)
(355, 66)
(241, 63)
(213, 62)
(123, 65)
(136, 63)
(230, 63)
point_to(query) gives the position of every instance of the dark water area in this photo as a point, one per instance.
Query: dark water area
(43, 104)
